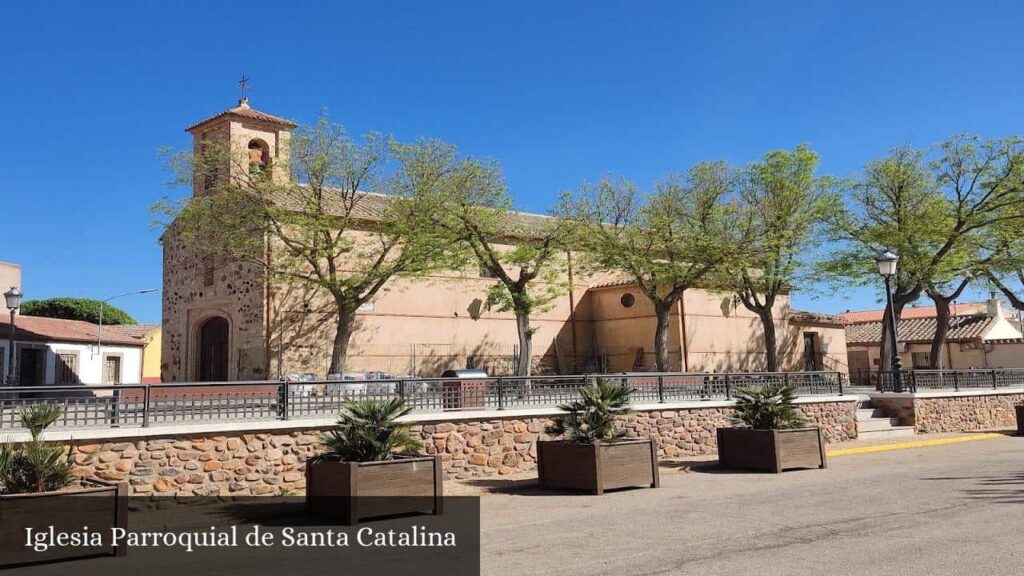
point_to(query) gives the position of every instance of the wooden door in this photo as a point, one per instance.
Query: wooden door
(860, 367)
(213, 350)
(111, 369)
(31, 366)
(811, 359)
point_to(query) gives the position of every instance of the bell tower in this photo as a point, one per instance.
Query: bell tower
(248, 144)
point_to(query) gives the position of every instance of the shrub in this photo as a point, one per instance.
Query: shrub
(369, 431)
(592, 418)
(768, 408)
(35, 466)
(85, 309)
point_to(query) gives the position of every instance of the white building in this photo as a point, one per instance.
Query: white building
(51, 351)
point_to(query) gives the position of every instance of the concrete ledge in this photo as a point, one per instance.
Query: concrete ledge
(948, 393)
(213, 428)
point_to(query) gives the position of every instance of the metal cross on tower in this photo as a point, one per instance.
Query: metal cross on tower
(244, 83)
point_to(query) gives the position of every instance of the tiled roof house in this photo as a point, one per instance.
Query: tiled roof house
(981, 335)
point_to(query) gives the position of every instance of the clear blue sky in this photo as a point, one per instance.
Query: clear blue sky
(559, 92)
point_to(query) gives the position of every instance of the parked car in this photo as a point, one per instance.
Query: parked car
(302, 389)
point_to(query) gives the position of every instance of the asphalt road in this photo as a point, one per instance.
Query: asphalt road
(943, 510)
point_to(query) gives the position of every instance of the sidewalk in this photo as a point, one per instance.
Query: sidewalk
(684, 465)
(944, 510)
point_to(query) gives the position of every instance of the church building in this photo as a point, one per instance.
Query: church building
(226, 321)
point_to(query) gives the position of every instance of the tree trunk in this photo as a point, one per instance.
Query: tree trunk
(525, 361)
(339, 353)
(771, 347)
(664, 314)
(942, 315)
(941, 331)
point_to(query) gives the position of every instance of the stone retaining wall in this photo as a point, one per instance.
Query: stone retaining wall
(952, 411)
(273, 462)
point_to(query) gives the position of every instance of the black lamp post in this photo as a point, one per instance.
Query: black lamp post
(13, 298)
(887, 268)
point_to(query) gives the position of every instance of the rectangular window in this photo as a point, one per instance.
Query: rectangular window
(921, 359)
(208, 273)
(67, 368)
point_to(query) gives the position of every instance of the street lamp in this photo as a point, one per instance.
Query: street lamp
(886, 261)
(13, 297)
(103, 303)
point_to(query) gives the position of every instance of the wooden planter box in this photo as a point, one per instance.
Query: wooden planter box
(1020, 419)
(598, 467)
(96, 504)
(771, 450)
(353, 491)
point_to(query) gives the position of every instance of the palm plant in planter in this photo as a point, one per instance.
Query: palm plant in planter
(370, 466)
(35, 465)
(39, 490)
(772, 433)
(592, 455)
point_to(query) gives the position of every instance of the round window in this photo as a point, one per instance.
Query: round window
(627, 300)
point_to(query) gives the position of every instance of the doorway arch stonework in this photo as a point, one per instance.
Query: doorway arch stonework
(211, 351)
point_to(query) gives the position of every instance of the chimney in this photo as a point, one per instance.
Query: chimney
(995, 306)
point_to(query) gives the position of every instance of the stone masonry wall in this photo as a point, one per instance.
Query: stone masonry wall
(953, 413)
(234, 292)
(274, 462)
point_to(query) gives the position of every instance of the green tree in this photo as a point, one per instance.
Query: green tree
(893, 204)
(937, 211)
(318, 222)
(522, 253)
(981, 181)
(665, 240)
(1003, 269)
(788, 206)
(85, 309)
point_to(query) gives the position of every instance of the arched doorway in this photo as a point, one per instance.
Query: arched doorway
(213, 350)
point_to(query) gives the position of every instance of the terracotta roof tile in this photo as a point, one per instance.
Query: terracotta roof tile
(140, 331)
(913, 312)
(244, 111)
(372, 206)
(39, 329)
(612, 283)
(961, 328)
(805, 317)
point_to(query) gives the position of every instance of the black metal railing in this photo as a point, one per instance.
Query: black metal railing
(128, 405)
(975, 379)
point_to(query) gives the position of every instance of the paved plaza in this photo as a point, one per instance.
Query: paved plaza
(954, 509)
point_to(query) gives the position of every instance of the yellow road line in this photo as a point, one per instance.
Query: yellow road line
(913, 444)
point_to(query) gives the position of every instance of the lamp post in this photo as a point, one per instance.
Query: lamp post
(13, 298)
(103, 303)
(886, 261)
